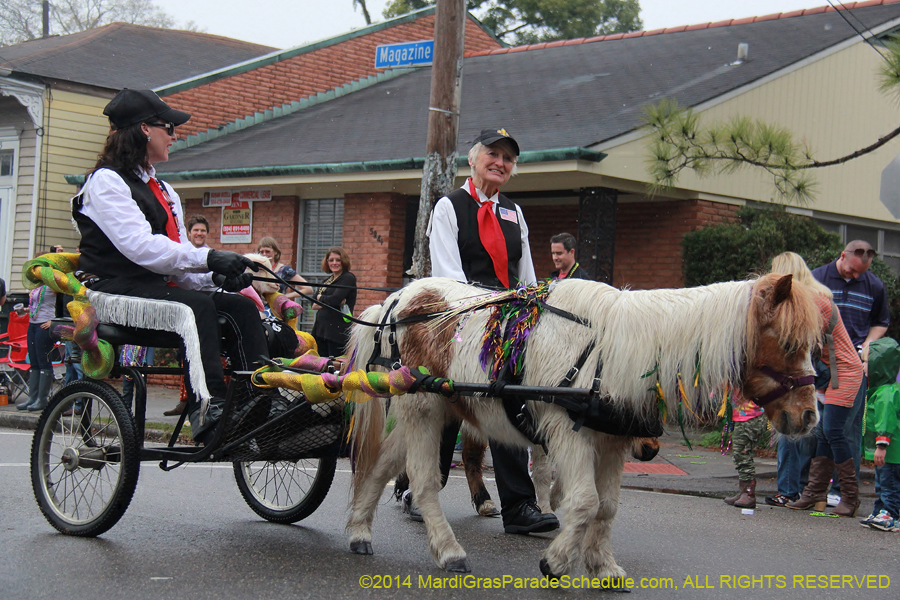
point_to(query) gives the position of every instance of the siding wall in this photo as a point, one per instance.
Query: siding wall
(76, 131)
(832, 103)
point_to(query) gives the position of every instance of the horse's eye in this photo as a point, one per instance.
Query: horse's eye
(790, 348)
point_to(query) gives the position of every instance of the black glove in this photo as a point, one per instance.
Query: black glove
(229, 264)
(233, 284)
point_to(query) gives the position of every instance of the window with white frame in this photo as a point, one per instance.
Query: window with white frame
(323, 226)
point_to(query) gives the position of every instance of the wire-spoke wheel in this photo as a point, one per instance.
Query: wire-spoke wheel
(285, 491)
(84, 466)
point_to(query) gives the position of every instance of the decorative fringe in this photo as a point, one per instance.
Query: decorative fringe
(160, 315)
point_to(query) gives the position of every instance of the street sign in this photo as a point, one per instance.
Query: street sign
(407, 54)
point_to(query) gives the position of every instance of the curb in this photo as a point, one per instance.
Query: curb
(18, 420)
(15, 420)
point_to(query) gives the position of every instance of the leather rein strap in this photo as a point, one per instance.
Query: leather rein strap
(787, 382)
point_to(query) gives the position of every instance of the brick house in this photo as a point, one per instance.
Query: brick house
(344, 166)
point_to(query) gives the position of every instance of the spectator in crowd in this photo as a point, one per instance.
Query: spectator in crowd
(269, 248)
(330, 329)
(42, 308)
(862, 301)
(562, 250)
(832, 446)
(883, 428)
(749, 425)
(198, 230)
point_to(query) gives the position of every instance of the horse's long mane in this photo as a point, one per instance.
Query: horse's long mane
(649, 336)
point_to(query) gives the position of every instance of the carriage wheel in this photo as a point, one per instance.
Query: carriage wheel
(285, 491)
(84, 468)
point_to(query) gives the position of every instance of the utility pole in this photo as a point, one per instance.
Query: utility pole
(439, 173)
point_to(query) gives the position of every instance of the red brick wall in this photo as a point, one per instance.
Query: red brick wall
(543, 223)
(278, 218)
(373, 236)
(648, 239)
(321, 70)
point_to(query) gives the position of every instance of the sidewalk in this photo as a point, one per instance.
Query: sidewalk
(159, 399)
(705, 472)
(676, 469)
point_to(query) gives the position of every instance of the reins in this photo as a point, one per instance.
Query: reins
(787, 382)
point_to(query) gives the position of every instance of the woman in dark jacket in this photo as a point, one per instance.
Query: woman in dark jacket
(330, 329)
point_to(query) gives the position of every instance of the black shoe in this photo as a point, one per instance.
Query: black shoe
(528, 518)
(409, 507)
(202, 434)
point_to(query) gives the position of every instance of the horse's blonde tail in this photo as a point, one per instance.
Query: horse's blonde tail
(368, 417)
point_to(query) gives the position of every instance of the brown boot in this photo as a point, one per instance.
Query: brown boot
(179, 408)
(746, 496)
(815, 493)
(849, 489)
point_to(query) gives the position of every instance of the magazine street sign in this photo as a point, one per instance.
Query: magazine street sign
(407, 54)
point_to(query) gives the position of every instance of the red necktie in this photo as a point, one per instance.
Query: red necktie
(171, 225)
(492, 237)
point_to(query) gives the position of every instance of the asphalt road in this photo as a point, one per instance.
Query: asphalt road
(188, 533)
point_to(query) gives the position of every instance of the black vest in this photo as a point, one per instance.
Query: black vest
(98, 254)
(476, 262)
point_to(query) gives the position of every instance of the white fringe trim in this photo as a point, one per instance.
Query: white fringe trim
(161, 315)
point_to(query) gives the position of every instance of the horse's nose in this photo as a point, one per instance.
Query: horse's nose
(810, 419)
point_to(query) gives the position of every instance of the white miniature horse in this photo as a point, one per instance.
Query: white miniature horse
(745, 333)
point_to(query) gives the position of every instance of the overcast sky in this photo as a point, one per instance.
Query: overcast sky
(289, 23)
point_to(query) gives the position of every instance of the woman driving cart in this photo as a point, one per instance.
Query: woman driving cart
(134, 246)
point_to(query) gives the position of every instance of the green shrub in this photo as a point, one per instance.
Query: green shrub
(733, 251)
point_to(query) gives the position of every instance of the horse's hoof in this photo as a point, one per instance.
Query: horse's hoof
(546, 572)
(361, 547)
(488, 509)
(460, 565)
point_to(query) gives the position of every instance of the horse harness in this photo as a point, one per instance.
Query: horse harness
(596, 412)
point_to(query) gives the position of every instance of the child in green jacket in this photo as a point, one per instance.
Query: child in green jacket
(882, 427)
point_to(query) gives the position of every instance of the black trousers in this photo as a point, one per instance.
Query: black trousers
(514, 485)
(245, 340)
(329, 347)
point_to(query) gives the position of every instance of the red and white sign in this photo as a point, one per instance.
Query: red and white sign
(237, 221)
(217, 198)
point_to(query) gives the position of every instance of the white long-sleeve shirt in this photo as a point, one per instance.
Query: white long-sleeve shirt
(443, 232)
(108, 203)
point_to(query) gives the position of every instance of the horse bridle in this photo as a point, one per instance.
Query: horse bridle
(787, 382)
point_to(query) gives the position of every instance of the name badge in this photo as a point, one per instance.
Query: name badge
(509, 215)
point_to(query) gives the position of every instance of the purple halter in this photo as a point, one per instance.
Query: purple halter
(787, 384)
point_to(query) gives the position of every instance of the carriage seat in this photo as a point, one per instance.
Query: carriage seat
(118, 335)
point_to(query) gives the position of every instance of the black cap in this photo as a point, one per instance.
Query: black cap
(139, 106)
(489, 136)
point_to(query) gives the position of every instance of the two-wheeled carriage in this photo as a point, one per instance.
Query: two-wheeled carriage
(89, 445)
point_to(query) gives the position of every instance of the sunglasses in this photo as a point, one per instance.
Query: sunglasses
(169, 127)
(860, 252)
